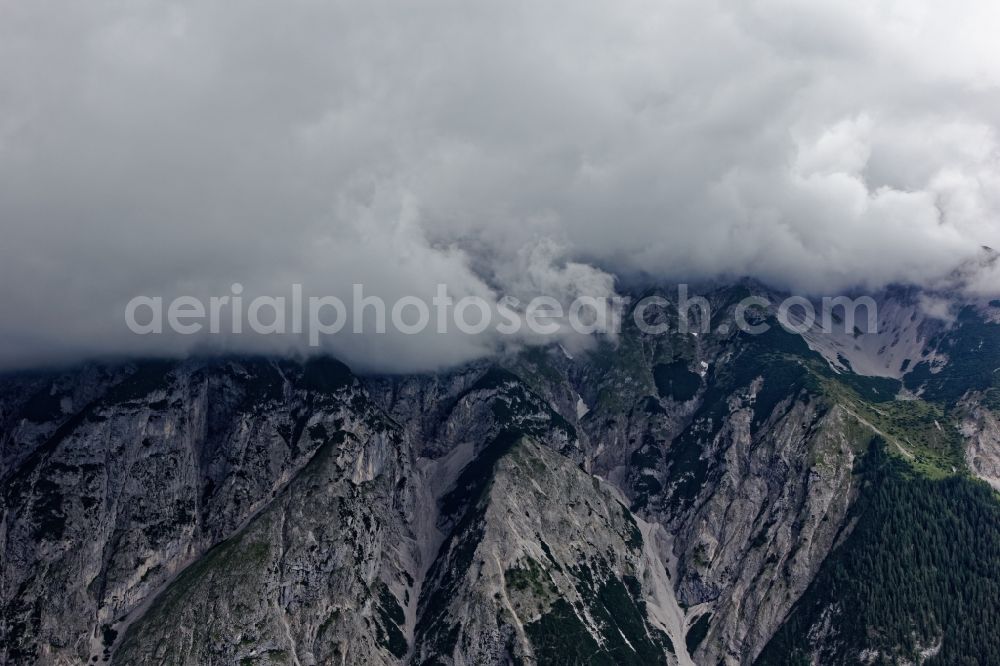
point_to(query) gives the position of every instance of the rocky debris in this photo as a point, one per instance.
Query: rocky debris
(981, 431)
(546, 564)
(656, 499)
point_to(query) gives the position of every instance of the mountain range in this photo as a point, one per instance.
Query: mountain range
(687, 498)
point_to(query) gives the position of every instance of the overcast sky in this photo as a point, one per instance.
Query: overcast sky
(512, 146)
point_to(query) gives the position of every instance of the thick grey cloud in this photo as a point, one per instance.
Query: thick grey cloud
(169, 148)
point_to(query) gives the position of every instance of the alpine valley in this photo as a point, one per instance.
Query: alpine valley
(711, 498)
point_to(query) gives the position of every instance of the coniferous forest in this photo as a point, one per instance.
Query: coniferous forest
(916, 580)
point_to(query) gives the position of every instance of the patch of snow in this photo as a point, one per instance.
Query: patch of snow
(581, 408)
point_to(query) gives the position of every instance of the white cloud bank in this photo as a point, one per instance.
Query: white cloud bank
(167, 148)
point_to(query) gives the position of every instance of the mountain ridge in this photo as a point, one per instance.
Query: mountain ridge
(740, 461)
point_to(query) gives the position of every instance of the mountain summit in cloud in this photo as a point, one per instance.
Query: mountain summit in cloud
(499, 332)
(177, 148)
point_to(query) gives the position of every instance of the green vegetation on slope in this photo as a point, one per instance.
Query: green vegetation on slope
(923, 432)
(676, 381)
(560, 637)
(787, 367)
(918, 572)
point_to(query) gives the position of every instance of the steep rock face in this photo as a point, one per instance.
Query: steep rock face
(731, 443)
(320, 576)
(981, 431)
(270, 511)
(344, 550)
(547, 564)
(440, 414)
(760, 531)
(425, 406)
(34, 405)
(143, 479)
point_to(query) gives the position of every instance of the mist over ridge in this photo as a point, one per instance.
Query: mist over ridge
(502, 148)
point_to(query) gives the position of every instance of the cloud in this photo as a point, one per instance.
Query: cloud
(171, 148)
